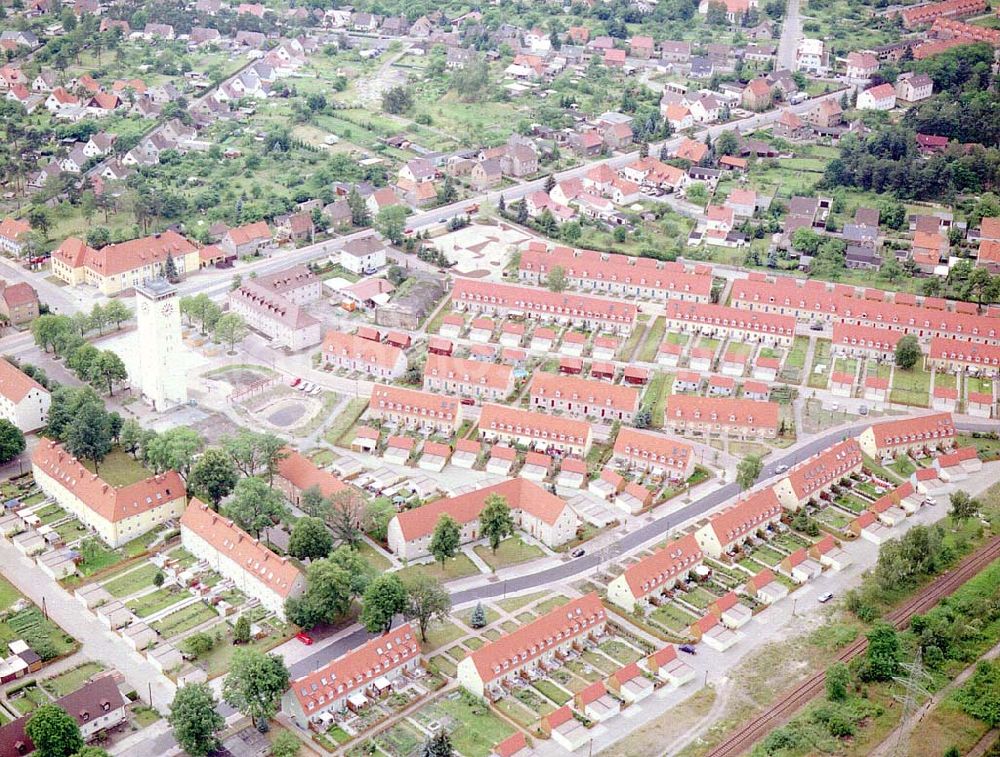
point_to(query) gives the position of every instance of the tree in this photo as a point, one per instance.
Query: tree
(158, 578)
(315, 504)
(241, 630)
(478, 617)
(556, 280)
(170, 269)
(254, 685)
(391, 223)
(11, 441)
(90, 433)
(98, 237)
(230, 329)
(447, 193)
(131, 436)
(980, 696)
(881, 661)
(195, 720)
(359, 210)
(331, 585)
(384, 599)
(727, 143)
(116, 312)
(495, 521)
(48, 328)
(438, 745)
(213, 476)
(347, 507)
(838, 678)
(252, 452)
(907, 352)
(550, 182)
(310, 539)
(396, 100)
(54, 732)
(174, 449)
(446, 539)
(378, 513)
(963, 507)
(426, 600)
(286, 744)
(748, 470)
(255, 505)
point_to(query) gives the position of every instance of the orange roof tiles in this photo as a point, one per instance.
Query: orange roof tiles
(663, 566)
(825, 467)
(965, 353)
(648, 446)
(356, 668)
(546, 386)
(470, 372)
(731, 318)
(866, 337)
(114, 505)
(303, 473)
(926, 428)
(534, 639)
(384, 356)
(15, 383)
(413, 402)
(746, 516)
(510, 420)
(725, 411)
(251, 232)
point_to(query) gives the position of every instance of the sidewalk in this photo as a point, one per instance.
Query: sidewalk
(97, 642)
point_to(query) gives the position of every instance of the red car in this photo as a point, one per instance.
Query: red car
(468, 401)
(295, 382)
(304, 638)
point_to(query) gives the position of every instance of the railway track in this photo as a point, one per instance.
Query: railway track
(781, 711)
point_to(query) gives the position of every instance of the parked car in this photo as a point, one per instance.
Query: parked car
(296, 381)
(578, 552)
(304, 638)
(468, 401)
(824, 598)
(863, 410)
(780, 469)
(687, 648)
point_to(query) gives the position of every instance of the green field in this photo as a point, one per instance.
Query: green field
(119, 469)
(510, 552)
(133, 581)
(911, 387)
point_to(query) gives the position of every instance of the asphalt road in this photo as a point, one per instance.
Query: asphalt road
(567, 571)
(791, 34)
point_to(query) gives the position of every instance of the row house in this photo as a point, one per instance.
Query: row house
(578, 310)
(927, 14)
(956, 356)
(534, 510)
(810, 300)
(117, 515)
(468, 378)
(730, 528)
(615, 274)
(230, 551)
(348, 682)
(296, 474)
(538, 645)
(723, 321)
(656, 574)
(864, 341)
(538, 431)
(415, 409)
(886, 440)
(654, 453)
(740, 418)
(582, 397)
(356, 353)
(815, 476)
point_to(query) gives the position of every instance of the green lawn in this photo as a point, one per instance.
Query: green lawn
(8, 594)
(655, 396)
(988, 449)
(550, 604)
(654, 337)
(28, 699)
(676, 337)
(627, 349)
(439, 634)
(903, 466)
(155, 601)
(911, 387)
(552, 692)
(491, 615)
(673, 617)
(96, 558)
(738, 348)
(119, 469)
(797, 357)
(819, 371)
(945, 381)
(620, 651)
(510, 552)
(71, 680)
(374, 558)
(458, 566)
(476, 730)
(184, 619)
(337, 433)
(977, 384)
(133, 581)
(516, 603)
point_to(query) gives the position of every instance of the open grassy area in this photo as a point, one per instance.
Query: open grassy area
(475, 729)
(511, 551)
(651, 344)
(155, 601)
(373, 557)
(132, 581)
(819, 371)
(911, 387)
(119, 469)
(626, 351)
(441, 634)
(988, 449)
(341, 430)
(71, 680)
(655, 396)
(458, 566)
(513, 604)
(184, 619)
(8, 594)
(978, 385)
(96, 557)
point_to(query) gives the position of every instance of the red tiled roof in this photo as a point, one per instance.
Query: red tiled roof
(119, 258)
(551, 304)
(413, 402)
(866, 337)
(825, 467)
(303, 473)
(648, 446)
(534, 639)
(929, 428)
(569, 388)
(593, 692)
(356, 668)
(957, 457)
(511, 745)
(966, 353)
(520, 494)
(762, 579)
(746, 516)
(726, 411)
(112, 504)
(664, 565)
(732, 318)
(15, 383)
(511, 420)
(251, 232)
(470, 372)
(384, 356)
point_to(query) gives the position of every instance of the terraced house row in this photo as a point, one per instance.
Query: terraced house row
(722, 321)
(468, 378)
(579, 310)
(617, 275)
(582, 397)
(536, 431)
(414, 409)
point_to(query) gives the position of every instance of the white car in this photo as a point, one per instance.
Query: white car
(780, 469)
(824, 598)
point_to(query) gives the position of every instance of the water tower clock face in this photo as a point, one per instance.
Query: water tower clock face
(168, 308)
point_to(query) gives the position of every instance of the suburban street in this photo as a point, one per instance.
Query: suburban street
(791, 35)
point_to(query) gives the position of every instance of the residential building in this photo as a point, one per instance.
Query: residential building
(18, 303)
(363, 256)
(861, 65)
(756, 95)
(117, 515)
(275, 307)
(14, 236)
(727, 322)
(230, 551)
(355, 353)
(535, 511)
(533, 646)
(923, 15)
(296, 473)
(864, 341)
(118, 268)
(582, 397)
(653, 575)
(654, 453)
(490, 298)
(97, 706)
(811, 478)
(955, 355)
(912, 87)
(880, 97)
(250, 239)
(414, 409)
(534, 430)
(23, 401)
(469, 378)
(730, 528)
(810, 56)
(890, 438)
(350, 681)
(739, 418)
